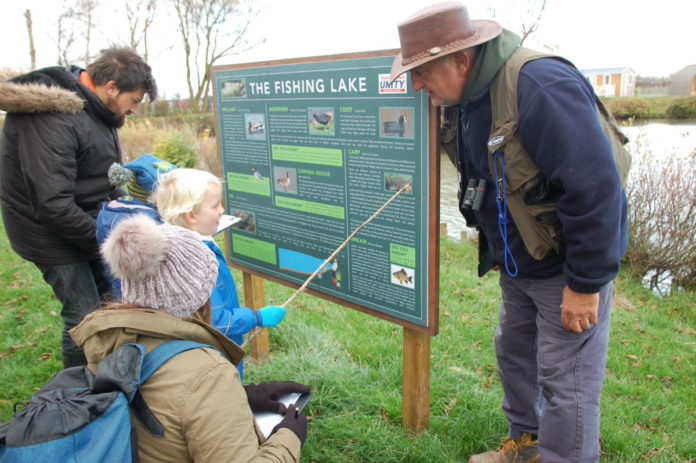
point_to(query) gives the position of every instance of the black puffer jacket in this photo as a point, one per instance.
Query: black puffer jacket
(58, 142)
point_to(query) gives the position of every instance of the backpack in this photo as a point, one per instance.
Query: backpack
(82, 417)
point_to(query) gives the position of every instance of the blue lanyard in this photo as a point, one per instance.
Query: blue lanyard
(501, 203)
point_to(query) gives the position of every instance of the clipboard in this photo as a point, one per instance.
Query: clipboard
(226, 221)
(267, 421)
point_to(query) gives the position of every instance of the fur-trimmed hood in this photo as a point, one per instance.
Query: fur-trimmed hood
(52, 89)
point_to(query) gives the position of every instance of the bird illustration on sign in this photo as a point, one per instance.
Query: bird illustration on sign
(321, 121)
(397, 127)
(255, 129)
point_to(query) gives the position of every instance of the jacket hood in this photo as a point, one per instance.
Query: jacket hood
(52, 89)
(102, 331)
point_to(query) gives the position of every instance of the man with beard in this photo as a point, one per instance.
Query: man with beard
(58, 141)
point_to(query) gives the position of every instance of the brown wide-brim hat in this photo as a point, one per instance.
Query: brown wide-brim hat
(436, 31)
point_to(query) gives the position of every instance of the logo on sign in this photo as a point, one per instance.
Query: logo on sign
(400, 84)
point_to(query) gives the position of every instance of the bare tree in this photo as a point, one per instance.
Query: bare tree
(32, 50)
(532, 21)
(141, 15)
(85, 11)
(529, 20)
(208, 34)
(65, 34)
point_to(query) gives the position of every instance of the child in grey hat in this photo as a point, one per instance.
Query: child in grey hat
(167, 275)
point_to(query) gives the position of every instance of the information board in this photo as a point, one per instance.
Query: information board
(310, 149)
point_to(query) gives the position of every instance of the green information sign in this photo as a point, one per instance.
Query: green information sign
(310, 150)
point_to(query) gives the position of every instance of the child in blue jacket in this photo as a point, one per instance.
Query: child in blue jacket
(192, 199)
(139, 178)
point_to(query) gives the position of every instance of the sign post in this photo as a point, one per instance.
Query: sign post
(255, 297)
(415, 407)
(311, 148)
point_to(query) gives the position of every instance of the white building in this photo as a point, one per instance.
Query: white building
(612, 81)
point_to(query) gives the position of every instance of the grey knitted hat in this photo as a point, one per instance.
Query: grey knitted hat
(162, 267)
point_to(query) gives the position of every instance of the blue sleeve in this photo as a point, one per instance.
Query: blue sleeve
(560, 128)
(227, 316)
(234, 322)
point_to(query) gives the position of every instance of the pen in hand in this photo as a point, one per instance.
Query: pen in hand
(297, 412)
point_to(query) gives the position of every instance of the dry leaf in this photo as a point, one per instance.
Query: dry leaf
(620, 301)
(687, 330)
(450, 406)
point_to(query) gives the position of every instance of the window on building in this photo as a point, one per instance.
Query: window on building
(607, 79)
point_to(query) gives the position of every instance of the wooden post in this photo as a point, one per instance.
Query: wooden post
(443, 229)
(255, 298)
(415, 406)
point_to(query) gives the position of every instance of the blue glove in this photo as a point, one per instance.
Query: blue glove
(270, 315)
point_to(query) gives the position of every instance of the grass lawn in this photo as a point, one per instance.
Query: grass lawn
(353, 362)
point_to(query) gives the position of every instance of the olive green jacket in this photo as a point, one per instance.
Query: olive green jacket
(197, 395)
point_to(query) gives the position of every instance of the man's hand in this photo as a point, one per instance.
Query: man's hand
(578, 310)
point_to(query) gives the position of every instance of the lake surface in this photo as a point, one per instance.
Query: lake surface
(661, 138)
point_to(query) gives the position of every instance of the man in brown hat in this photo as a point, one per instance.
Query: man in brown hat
(542, 161)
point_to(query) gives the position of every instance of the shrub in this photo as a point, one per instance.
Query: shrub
(172, 139)
(682, 108)
(662, 219)
(171, 146)
(161, 108)
(208, 157)
(624, 108)
(137, 138)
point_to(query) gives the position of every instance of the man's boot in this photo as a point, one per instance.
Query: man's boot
(522, 450)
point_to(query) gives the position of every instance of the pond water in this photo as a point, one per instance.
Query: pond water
(662, 138)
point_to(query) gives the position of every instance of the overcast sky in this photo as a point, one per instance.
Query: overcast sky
(653, 38)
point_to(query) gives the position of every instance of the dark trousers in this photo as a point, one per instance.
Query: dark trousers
(80, 288)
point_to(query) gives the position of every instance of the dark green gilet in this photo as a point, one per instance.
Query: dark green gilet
(537, 222)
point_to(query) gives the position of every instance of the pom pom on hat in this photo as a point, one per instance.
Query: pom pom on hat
(135, 249)
(119, 175)
(162, 267)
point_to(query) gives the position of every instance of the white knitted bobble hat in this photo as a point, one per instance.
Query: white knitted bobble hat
(162, 267)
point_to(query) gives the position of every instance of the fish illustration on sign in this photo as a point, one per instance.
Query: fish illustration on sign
(403, 277)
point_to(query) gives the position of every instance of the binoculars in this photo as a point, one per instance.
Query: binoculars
(474, 195)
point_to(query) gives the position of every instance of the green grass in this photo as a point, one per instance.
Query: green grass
(353, 362)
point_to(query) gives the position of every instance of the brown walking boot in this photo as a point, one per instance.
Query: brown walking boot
(522, 450)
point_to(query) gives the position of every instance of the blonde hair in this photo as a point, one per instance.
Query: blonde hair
(180, 191)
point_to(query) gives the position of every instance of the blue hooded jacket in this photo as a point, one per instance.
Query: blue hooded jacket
(112, 213)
